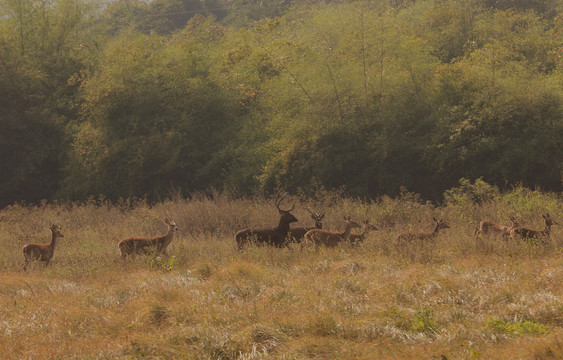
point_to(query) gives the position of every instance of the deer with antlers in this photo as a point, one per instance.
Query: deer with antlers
(487, 227)
(155, 245)
(421, 236)
(356, 239)
(528, 234)
(330, 238)
(277, 236)
(297, 233)
(42, 252)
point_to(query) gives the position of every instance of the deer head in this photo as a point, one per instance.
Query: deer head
(317, 218)
(286, 215)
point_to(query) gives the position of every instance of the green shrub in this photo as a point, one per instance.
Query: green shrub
(521, 327)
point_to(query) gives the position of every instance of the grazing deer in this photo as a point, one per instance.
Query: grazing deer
(330, 238)
(277, 236)
(542, 235)
(355, 239)
(298, 233)
(155, 245)
(42, 252)
(487, 227)
(412, 236)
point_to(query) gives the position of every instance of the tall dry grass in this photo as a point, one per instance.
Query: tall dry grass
(458, 297)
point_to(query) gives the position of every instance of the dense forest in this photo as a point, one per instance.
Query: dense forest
(135, 98)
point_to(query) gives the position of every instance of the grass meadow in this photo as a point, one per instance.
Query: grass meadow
(454, 298)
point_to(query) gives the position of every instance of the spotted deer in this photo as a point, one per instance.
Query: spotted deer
(42, 252)
(146, 246)
(320, 237)
(297, 233)
(528, 234)
(356, 239)
(277, 237)
(487, 227)
(422, 236)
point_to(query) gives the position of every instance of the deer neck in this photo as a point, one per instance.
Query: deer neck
(168, 237)
(54, 241)
(283, 226)
(347, 231)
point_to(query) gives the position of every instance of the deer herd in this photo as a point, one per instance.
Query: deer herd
(283, 235)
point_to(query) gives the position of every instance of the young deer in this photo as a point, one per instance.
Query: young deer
(412, 236)
(42, 252)
(542, 235)
(356, 239)
(487, 227)
(297, 233)
(155, 245)
(277, 236)
(330, 238)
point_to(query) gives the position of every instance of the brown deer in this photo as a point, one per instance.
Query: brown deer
(329, 238)
(413, 236)
(155, 245)
(487, 227)
(356, 239)
(297, 233)
(541, 235)
(277, 236)
(42, 252)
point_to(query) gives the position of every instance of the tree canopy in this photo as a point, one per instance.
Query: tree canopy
(134, 98)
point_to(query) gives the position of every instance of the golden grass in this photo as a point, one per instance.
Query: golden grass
(457, 297)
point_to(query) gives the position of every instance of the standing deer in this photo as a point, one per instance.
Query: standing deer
(42, 252)
(542, 235)
(277, 236)
(155, 245)
(356, 239)
(487, 227)
(330, 238)
(298, 233)
(412, 236)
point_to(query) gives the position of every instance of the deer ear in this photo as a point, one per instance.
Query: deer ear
(167, 221)
(435, 219)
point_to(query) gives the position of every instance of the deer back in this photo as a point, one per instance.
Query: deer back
(272, 237)
(277, 236)
(147, 245)
(356, 238)
(323, 237)
(410, 236)
(487, 227)
(526, 233)
(41, 252)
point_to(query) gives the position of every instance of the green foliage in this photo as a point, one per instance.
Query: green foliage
(479, 192)
(156, 117)
(520, 327)
(161, 264)
(423, 322)
(144, 98)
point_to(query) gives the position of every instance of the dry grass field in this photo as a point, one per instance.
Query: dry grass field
(454, 298)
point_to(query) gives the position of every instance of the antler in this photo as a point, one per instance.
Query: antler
(316, 214)
(279, 199)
